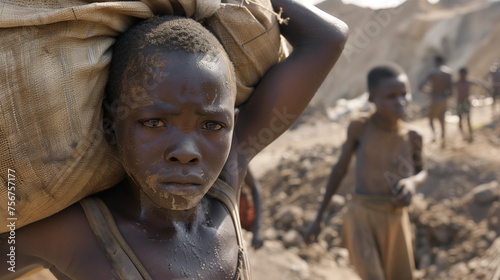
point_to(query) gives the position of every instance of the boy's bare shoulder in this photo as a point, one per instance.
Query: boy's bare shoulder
(359, 122)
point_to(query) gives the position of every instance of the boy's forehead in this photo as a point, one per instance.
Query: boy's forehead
(155, 67)
(394, 82)
(159, 62)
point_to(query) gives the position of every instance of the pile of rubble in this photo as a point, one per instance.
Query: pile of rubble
(455, 237)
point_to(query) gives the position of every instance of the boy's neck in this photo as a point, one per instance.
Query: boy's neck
(385, 123)
(138, 207)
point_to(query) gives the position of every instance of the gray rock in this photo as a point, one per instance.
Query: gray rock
(486, 193)
(442, 259)
(292, 238)
(494, 217)
(336, 203)
(459, 270)
(289, 217)
(425, 261)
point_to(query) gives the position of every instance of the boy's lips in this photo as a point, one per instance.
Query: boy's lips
(189, 179)
(181, 185)
(181, 189)
(400, 109)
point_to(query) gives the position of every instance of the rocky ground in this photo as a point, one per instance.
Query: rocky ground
(455, 215)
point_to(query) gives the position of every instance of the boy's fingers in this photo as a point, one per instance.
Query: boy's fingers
(311, 238)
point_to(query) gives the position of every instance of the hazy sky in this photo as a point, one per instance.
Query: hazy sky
(379, 4)
(374, 4)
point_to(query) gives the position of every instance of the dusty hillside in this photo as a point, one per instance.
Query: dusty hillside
(466, 33)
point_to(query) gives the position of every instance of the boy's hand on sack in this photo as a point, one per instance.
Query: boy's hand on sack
(403, 192)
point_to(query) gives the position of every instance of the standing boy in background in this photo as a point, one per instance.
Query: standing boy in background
(495, 84)
(172, 119)
(440, 79)
(462, 88)
(376, 229)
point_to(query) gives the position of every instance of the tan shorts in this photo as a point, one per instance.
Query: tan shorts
(378, 238)
(437, 109)
(463, 108)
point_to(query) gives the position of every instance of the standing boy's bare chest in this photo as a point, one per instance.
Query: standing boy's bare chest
(381, 152)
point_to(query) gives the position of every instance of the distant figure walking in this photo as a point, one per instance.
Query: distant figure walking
(495, 84)
(462, 88)
(440, 89)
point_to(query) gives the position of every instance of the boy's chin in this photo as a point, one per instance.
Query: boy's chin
(183, 203)
(177, 202)
(399, 114)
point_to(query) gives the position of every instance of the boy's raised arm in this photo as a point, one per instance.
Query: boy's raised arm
(15, 261)
(285, 90)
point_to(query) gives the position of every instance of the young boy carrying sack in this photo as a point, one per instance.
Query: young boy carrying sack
(171, 116)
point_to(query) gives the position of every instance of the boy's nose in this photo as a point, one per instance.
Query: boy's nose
(402, 100)
(184, 152)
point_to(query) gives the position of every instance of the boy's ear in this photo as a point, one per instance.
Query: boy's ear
(409, 96)
(108, 123)
(370, 97)
(236, 113)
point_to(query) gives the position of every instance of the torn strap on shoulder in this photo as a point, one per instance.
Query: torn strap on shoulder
(122, 258)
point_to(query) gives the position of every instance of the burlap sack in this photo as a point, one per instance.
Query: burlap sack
(54, 57)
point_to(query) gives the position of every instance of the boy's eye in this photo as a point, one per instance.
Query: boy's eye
(153, 123)
(213, 126)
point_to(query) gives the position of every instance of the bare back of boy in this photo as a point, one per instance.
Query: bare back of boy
(495, 83)
(463, 91)
(441, 82)
(462, 88)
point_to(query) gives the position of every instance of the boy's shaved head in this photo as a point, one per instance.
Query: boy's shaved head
(166, 33)
(382, 72)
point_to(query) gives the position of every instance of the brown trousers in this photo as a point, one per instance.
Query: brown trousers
(378, 237)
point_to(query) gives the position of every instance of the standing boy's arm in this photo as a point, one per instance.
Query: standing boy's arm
(338, 172)
(423, 82)
(409, 185)
(285, 90)
(449, 87)
(257, 240)
(481, 83)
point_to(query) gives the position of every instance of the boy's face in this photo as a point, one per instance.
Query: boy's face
(176, 137)
(390, 97)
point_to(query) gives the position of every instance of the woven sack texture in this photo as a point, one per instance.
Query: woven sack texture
(54, 58)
